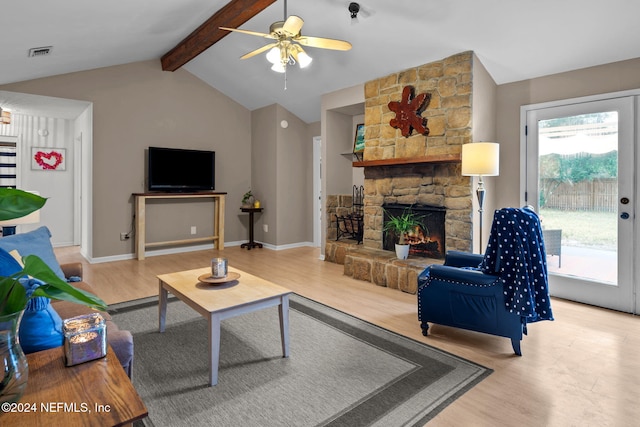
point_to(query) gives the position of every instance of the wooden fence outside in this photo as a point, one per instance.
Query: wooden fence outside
(598, 195)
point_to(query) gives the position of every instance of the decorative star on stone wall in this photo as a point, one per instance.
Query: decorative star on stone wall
(408, 112)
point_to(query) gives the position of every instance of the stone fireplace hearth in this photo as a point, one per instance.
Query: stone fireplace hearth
(439, 185)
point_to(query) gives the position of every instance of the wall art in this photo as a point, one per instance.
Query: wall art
(48, 159)
(408, 112)
(358, 142)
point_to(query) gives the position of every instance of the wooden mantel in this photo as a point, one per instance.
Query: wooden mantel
(441, 158)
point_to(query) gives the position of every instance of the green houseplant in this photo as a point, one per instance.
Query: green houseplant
(13, 297)
(247, 200)
(401, 225)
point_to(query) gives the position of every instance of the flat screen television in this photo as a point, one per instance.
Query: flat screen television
(180, 170)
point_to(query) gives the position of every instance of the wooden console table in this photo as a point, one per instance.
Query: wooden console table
(95, 393)
(218, 220)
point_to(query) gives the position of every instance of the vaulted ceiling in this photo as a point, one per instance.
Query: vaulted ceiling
(515, 40)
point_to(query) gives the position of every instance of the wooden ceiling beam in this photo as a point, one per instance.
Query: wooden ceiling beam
(232, 15)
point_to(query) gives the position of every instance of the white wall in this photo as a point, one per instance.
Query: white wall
(83, 142)
(56, 186)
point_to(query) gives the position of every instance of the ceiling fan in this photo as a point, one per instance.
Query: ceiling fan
(287, 49)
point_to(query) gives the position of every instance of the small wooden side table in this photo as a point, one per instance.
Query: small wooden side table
(251, 244)
(96, 393)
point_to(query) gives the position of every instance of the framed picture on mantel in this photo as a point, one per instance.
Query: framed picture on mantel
(358, 142)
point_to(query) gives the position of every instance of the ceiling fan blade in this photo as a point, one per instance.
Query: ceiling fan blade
(258, 51)
(251, 33)
(323, 43)
(292, 25)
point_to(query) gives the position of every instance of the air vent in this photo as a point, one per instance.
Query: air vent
(40, 51)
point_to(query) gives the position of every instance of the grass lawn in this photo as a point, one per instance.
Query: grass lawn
(585, 229)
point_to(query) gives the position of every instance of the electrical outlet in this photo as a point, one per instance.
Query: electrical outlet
(193, 229)
(265, 227)
(123, 236)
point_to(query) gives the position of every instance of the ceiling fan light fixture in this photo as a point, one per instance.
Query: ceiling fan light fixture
(300, 56)
(273, 55)
(286, 49)
(304, 60)
(279, 67)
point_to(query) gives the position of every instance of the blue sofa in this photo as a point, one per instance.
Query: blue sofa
(467, 299)
(38, 242)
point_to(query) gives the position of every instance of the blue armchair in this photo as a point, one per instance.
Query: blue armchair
(498, 293)
(467, 299)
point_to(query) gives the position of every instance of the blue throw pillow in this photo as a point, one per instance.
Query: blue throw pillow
(8, 264)
(41, 325)
(36, 242)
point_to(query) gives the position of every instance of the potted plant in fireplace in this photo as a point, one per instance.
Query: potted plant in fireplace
(401, 226)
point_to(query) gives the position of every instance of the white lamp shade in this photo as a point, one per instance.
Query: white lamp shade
(304, 60)
(278, 67)
(273, 55)
(481, 159)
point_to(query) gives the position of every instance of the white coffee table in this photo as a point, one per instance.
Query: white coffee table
(222, 301)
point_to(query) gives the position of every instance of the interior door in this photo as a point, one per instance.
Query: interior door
(580, 177)
(317, 191)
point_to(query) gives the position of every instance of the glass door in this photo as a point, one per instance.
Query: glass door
(580, 178)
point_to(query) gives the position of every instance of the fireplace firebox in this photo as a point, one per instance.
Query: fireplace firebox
(428, 241)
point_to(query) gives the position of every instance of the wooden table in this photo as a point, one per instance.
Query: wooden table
(140, 218)
(251, 244)
(95, 393)
(218, 302)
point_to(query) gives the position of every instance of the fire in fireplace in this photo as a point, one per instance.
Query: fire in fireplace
(425, 242)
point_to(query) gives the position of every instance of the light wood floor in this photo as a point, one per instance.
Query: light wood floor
(583, 369)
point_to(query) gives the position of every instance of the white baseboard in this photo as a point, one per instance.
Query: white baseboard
(157, 252)
(288, 246)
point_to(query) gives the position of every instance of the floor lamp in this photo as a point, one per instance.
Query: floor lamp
(480, 159)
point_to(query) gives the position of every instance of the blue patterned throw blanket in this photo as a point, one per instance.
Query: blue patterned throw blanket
(516, 253)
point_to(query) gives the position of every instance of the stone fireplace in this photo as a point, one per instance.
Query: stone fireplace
(418, 170)
(438, 185)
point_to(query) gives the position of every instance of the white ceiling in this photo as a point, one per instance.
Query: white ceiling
(514, 39)
(42, 106)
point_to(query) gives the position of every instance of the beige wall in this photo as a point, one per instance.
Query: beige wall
(614, 77)
(295, 180)
(282, 165)
(264, 184)
(484, 130)
(138, 105)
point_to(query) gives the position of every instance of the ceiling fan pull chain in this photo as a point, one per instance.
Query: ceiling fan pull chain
(285, 79)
